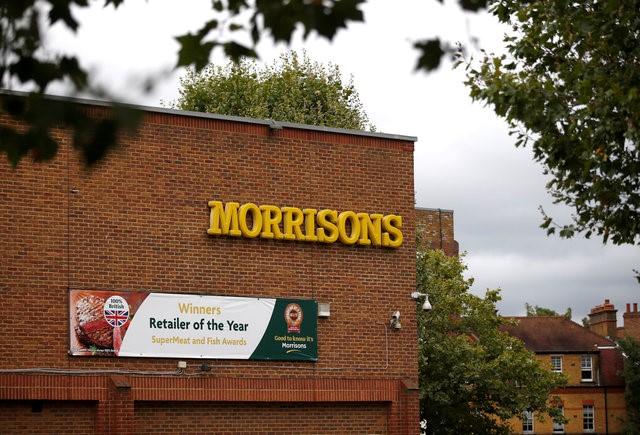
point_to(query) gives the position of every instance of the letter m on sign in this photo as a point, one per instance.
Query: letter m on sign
(223, 220)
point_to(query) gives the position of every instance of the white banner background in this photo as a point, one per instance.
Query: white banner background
(210, 341)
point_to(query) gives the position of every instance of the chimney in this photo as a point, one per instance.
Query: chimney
(602, 320)
(631, 322)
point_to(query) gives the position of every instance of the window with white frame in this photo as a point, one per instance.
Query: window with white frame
(588, 423)
(527, 422)
(559, 427)
(556, 363)
(586, 367)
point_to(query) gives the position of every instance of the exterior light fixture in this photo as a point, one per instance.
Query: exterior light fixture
(324, 309)
(426, 306)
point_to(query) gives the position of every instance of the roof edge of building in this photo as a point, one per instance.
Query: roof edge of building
(266, 122)
(434, 209)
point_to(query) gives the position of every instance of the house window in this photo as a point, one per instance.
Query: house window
(586, 368)
(559, 427)
(556, 363)
(587, 418)
(527, 422)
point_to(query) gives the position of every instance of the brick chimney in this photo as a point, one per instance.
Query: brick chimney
(602, 320)
(631, 322)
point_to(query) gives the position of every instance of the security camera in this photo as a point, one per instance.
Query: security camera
(395, 320)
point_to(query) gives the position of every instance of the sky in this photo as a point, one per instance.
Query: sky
(465, 160)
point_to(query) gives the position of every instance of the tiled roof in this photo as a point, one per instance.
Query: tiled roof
(544, 334)
(550, 334)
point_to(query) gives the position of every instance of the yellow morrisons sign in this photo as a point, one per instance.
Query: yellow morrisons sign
(305, 225)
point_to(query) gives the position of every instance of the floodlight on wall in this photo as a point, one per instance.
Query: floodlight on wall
(324, 309)
(426, 306)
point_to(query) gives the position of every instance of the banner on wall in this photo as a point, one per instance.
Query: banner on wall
(166, 325)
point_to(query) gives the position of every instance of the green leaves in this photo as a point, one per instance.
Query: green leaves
(193, 51)
(22, 62)
(542, 311)
(237, 51)
(470, 372)
(630, 348)
(280, 19)
(61, 10)
(432, 52)
(293, 89)
(236, 21)
(92, 137)
(568, 88)
(473, 5)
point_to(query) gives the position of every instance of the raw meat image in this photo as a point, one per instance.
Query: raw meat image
(91, 327)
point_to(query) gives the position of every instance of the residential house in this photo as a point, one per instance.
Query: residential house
(593, 399)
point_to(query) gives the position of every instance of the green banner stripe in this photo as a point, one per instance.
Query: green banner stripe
(292, 333)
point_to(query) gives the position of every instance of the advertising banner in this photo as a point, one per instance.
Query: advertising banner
(167, 325)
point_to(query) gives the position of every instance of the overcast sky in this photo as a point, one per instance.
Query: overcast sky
(464, 159)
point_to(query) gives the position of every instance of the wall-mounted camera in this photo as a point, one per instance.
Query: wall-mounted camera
(395, 320)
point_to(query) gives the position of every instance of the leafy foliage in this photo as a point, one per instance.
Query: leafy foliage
(293, 89)
(473, 376)
(630, 347)
(23, 62)
(542, 311)
(570, 87)
(277, 18)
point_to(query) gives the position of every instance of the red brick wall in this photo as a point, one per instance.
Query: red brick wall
(435, 230)
(631, 322)
(47, 417)
(138, 221)
(260, 418)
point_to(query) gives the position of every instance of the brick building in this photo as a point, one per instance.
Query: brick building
(142, 225)
(593, 399)
(630, 322)
(603, 321)
(435, 230)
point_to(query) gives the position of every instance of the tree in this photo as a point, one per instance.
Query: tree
(473, 376)
(630, 348)
(293, 89)
(23, 61)
(542, 311)
(569, 86)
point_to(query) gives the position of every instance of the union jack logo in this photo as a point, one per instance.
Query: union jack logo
(116, 318)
